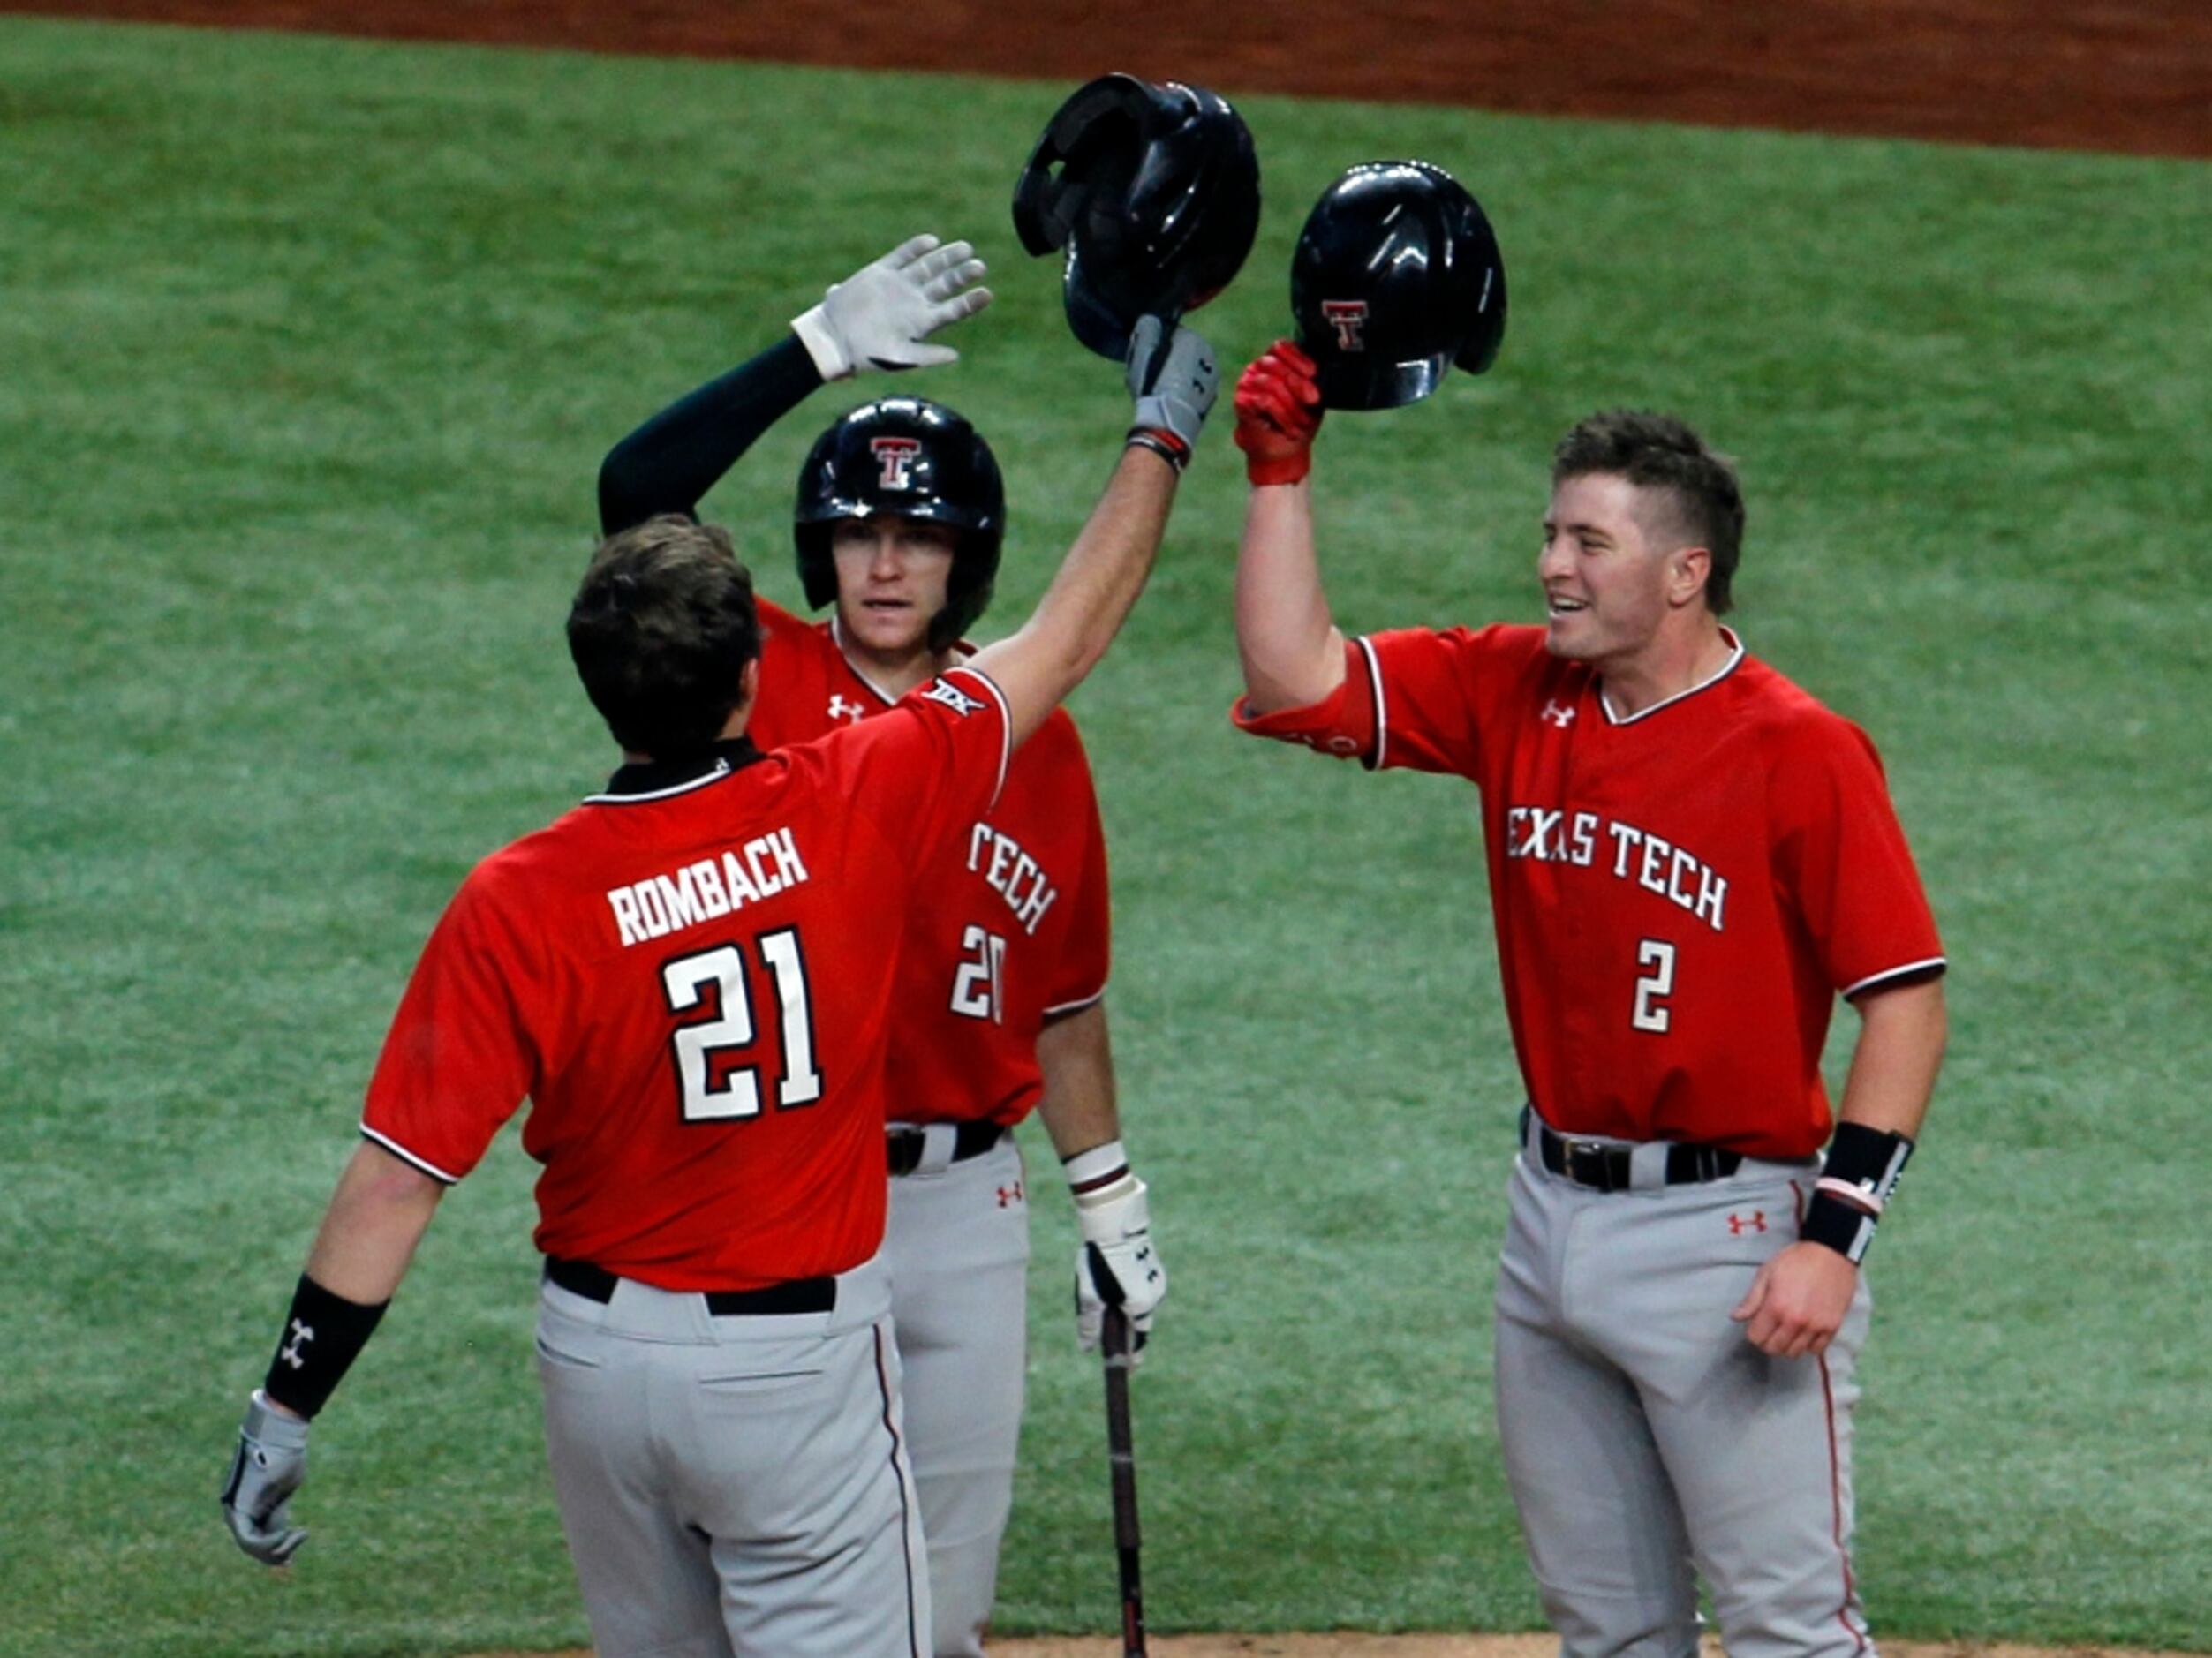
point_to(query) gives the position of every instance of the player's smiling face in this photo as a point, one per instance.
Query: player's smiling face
(891, 574)
(1605, 586)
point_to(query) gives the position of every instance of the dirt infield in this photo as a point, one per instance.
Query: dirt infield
(2126, 75)
(1351, 1645)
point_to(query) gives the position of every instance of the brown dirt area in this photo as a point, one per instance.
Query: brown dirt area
(2124, 75)
(2128, 76)
(1345, 1645)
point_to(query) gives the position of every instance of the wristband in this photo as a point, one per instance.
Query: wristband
(1855, 1185)
(323, 1335)
(1162, 442)
(1098, 1175)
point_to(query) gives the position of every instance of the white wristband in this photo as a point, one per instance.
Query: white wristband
(1098, 1175)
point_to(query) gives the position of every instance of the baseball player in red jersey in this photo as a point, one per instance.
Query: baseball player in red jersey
(999, 1006)
(1689, 860)
(687, 977)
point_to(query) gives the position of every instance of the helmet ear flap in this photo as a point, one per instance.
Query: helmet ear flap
(1153, 193)
(1057, 181)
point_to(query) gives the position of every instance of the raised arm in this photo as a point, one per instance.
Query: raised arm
(1292, 653)
(1172, 375)
(880, 318)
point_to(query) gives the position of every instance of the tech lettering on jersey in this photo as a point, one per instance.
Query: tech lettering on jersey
(662, 904)
(1547, 836)
(1013, 874)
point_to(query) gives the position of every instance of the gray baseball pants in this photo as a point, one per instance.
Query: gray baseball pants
(958, 1246)
(735, 1485)
(1647, 1442)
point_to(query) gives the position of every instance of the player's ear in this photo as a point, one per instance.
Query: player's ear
(1687, 570)
(748, 687)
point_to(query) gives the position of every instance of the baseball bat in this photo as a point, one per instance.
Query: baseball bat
(1121, 1458)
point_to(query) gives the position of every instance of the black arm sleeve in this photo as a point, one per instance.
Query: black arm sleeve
(669, 463)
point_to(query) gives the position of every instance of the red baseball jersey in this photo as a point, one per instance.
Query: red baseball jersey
(1010, 924)
(694, 986)
(1678, 895)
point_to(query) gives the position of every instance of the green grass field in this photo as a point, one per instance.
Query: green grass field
(308, 354)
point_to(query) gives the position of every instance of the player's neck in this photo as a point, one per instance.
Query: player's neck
(1678, 659)
(895, 673)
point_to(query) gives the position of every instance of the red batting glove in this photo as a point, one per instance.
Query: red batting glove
(1278, 414)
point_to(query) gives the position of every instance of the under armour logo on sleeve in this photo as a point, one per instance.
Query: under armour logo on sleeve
(301, 1335)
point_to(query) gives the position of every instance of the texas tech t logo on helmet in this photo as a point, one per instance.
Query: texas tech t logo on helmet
(894, 461)
(1349, 318)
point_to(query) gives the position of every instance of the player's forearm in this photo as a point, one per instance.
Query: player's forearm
(668, 464)
(377, 1216)
(1077, 1107)
(1090, 598)
(1288, 643)
(1900, 1048)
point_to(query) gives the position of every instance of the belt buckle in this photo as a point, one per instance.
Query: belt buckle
(1590, 1153)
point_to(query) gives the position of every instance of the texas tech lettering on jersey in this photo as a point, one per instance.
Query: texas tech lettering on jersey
(1579, 837)
(1013, 874)
(712, 887)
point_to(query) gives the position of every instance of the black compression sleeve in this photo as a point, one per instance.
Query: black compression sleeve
(668, 464)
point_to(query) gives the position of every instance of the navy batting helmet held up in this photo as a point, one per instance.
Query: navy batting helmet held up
(1397, 276)
(911, 458)
(1153, 190)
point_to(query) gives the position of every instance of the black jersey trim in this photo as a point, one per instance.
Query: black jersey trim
(657, 779)
(1934, 967)
(1375, 678)
(837, 638)
(1735, 660)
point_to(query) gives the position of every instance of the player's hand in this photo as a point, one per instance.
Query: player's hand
(880, 316)
(270, 1462)
(1172, 375)
(1278, 415)
(1116, 1265)
(1797, 1303)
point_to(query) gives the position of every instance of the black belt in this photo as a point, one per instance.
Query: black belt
(1606, 1167)
(902, 1147)
(795, 1295)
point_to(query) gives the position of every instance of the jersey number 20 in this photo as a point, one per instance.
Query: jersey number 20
(697, 1047)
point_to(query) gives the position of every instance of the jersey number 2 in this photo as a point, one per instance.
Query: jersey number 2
(697, 1047)
(1648, 1012)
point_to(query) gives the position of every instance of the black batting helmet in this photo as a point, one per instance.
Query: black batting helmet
(913, 458)
(1397, 276)
(1153, 190)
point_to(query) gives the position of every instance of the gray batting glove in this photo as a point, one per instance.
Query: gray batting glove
(1118, 1266)
(1173, 377)
(881, 315)
(270, 1462)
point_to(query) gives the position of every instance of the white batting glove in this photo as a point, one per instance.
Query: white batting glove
(267, 1468)
(1116, 1264)
(881, 315)
(1172, 375)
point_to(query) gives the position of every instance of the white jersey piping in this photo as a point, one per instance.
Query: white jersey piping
(1723, 672)
(1005, 723)
(407, 1156)
(722, 770)
(1872, 979)
(1375, 678)
(1058, 1009)
(837, 638)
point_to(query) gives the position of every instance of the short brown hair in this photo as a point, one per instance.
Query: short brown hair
(661, 631)
(1660, 452)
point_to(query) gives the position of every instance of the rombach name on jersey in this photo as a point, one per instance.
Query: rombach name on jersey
(1015, 876)
(1658, 866)
(662, 904)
